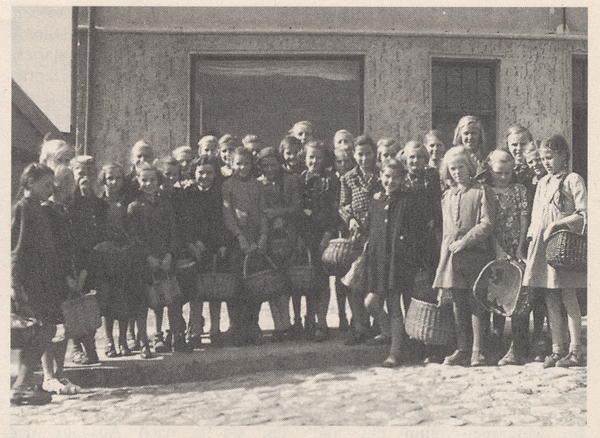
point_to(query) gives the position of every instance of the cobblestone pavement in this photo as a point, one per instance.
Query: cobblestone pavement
(431, 395)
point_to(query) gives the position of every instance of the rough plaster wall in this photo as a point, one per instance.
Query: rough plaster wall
(140, 83)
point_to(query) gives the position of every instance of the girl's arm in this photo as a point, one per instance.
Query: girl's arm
(345, 208)
(575, 186)
(264, 220)
(524, 222)
(18, 227)
(228, 212)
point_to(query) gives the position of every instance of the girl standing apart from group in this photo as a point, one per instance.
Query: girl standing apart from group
(560, 202)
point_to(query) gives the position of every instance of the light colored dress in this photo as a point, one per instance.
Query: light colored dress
(548, 207)
(468, 214)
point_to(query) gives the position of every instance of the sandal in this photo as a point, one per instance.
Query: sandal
(69, 387)
(390, 362)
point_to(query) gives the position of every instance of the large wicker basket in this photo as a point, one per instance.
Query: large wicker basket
(429, 323)
(499, 288)
(567, 250)
(265, 284)
(217, 286)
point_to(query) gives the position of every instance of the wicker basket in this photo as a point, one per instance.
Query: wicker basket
(429, 323)
(339, 255)
(217, 286)
(82, 316)
(499, 288)
(567, 250)
(302, 278)
(266, 284)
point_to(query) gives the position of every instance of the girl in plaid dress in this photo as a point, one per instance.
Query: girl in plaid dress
(357, 188)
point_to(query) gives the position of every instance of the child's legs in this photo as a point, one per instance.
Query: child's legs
(195, 322)
(359, 312)
(323, 296)
(396, 325)
(107, 324)
(284, 310)
(141, 320)
(131, 329)
(176, 321)
(30, 356)
(374, 304)
(340, 295)
(275, 313)
(555, 319)
(499, 322)
(123, 323)
(519, 334)
(569, 299)
(480, 319)
(214, 308)
(312, 303)
(158, 314)
(538, 308)
(462, 317)
(296, 304)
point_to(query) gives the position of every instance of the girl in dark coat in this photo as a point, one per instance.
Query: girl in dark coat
(397, 249)
(36, 284)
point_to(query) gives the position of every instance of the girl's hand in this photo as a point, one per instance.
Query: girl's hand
(222, 252)
(353, 226)
(270, 213)
(456, 246)
(308, 212)
(153, 262)
(245, 246)
(17, 293)
(262, 243)
(166, 263)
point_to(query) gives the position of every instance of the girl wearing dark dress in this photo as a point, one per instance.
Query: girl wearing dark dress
(37, 286)
(202, 231)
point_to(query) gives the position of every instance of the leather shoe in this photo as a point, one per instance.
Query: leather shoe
(459, 357)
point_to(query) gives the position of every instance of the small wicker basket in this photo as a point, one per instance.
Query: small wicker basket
(265, 284)
(217, 286)
(302, 278)
(567, 250)
(429, 323)
(339, 255)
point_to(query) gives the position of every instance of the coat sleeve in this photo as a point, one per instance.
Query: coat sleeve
(264, 220)
(486, 213)
(345, 208)
(228, 213)
(135, 227)
(18, 227)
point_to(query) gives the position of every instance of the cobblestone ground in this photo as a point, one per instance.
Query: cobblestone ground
(432, 395)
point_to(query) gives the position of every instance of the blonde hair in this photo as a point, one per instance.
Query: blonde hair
(416, 146)
(465, 121)
(457, 153)
(177, 152)
(53, 148)
(500, 156)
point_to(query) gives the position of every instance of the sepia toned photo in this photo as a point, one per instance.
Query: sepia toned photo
(299, 216)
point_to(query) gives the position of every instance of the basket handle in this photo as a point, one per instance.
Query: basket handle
(245, 267)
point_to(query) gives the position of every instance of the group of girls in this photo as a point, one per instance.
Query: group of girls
(415, 209)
